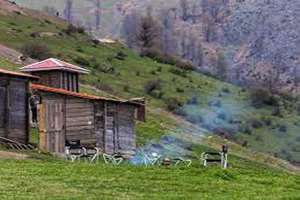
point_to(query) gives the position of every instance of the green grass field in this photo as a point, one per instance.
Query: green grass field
(44, 177)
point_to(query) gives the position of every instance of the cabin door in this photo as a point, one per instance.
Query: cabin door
(52, 126)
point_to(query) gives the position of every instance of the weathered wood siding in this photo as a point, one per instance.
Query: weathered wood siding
(59, 79)
(126, 129)
(14, 108)
(3, 106)
(52, 133)
(80, 123)
(107, 125)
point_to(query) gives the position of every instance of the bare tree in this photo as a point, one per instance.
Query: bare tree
(98, 14)
(185, 9)
(221, 65)
(149, 32)
(130, 28)
(68, 11)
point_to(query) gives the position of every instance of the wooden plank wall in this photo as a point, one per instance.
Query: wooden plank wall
(108, 125)
(18, 109)
(3, 106)
(54, 137)
(99, 123)
(126, 129)
(14, 108)
(80, 120)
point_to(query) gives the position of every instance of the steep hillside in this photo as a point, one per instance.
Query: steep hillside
(259, 39)
(221, 108)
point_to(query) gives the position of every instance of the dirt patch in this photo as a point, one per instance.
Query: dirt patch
(12, 155)
(14, 56)
(7, 7)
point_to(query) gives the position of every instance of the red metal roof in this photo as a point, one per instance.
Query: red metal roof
(79, 95)
(54, 64)
(12, 73)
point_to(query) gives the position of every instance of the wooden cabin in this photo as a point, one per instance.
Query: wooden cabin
(14, 108)
(56, 73)
(94, 121)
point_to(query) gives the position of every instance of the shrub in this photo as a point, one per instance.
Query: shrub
(226, 90)
(158, 56)
(81, 61)
(179, 90)
(276, 111)
(138, 73)
(120, 55)
(126, 88)
(157, 94)
(260, 97)
(178, 72)
(283, 128)
(35, 34)
(245, 143)
(36, 51)
(152, 85)
(184, 65)
(256, 123)
(267, 121)
(245, 129)
(71, 29)
(173, 104)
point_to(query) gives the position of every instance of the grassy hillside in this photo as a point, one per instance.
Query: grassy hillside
(204, 101)
(43, 177)
(220, 107)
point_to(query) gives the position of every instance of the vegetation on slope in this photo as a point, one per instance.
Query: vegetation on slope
(220, 107)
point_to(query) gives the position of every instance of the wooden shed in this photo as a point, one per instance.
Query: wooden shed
(14, 108)
(56, 73)
(94, 121)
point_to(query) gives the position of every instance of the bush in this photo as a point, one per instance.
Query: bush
(159, 56)
(71, 29)
(178, 72)
(179, 90)
(36, 51)
(256, 123)
(35, 34)
(126, 88)
(120, 55)
(260, 97)
(245, 129)
(267, 121)
(152, 85)
(81, 61)
(283, 128)
(173, 104)
(184, 65)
